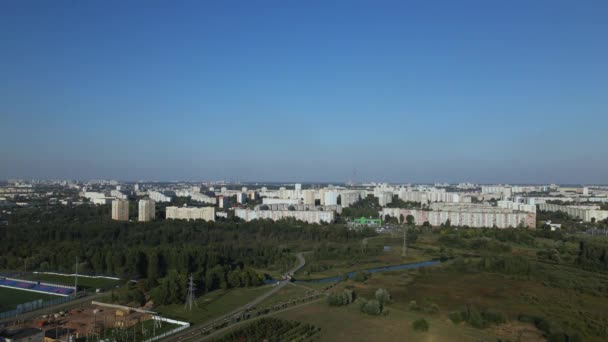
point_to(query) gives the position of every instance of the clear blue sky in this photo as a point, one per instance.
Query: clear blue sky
(418, 91)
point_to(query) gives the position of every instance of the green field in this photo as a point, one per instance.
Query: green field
(83, 282)
(213, 304)
(9, 298)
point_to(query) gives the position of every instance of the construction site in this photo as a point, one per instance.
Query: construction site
(94, 322)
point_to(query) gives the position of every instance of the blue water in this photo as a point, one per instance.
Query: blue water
(374, 270)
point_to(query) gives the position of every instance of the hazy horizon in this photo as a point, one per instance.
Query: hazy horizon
(471, 91)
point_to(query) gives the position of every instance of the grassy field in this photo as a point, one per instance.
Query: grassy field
(213, 304)
(392, 256)
(348, 324)
(83, 282)
(9, 298)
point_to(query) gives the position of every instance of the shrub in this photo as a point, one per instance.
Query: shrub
(433, 309)
(420, 325)
(360, 277)
(372, 307)
(493, 317)
(383, 296)
(413, 306)
(456, 317)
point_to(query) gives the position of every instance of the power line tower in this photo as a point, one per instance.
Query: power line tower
(190, 300)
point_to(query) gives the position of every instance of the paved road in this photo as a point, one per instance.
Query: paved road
(191, 333)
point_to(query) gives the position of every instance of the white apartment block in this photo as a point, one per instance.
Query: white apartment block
(310, 216)
(120, 210)
(146, 210)
(384, 198)
(428, 196)
(241, 197)
(93, 195)
(158, 196)
(476, 216)
(330, 198)
(102, 200)
(118, 194)
(188, 213)
(529, 208)
(349, 197)
(267, 200)
(586, 213)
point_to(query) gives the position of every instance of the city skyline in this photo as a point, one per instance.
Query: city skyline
(389, 92)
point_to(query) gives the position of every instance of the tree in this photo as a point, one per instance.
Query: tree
(382, 296)
(410, 220)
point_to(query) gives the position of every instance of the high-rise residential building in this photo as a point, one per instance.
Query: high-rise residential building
(331, 198)
(120, 210)
(298, 186)
(240, 197)
(147, 210)
(309, 196)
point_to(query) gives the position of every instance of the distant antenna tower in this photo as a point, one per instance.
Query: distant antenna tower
(190, 298)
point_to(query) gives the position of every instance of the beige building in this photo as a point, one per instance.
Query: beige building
(120, 210)
(186, 213)
(147, 210)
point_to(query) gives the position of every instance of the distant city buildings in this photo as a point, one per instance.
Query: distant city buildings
(120, 210)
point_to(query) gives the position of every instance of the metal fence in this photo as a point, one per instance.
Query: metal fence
(34, 305)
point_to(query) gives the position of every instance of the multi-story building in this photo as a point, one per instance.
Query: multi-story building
(310, 216)
(146, 210)
(267, 200)
(240, 197)
(331, 198)
(471, 215)
(118, 194)
(530, 208)
(309, 196)
(159, 196)
(120, 210)
(587, 213)
(384, 198)
(349, 197)
(189, 213)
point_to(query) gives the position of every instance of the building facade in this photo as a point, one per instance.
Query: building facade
(189, 213)
(146, 210)
(120, 210)
(310, 216)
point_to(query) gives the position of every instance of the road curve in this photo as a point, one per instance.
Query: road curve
(190, 333)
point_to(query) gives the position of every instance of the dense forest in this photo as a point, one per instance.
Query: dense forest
(218, 255)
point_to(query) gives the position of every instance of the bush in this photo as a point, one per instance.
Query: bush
(493, 317)
(372, 307)
(433, 309)
(360, 277)
(383, 296)
(341, 298)
(456, 317)
(420, 325)
(413, 306)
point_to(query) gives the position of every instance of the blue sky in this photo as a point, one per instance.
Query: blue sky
(401, 91)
